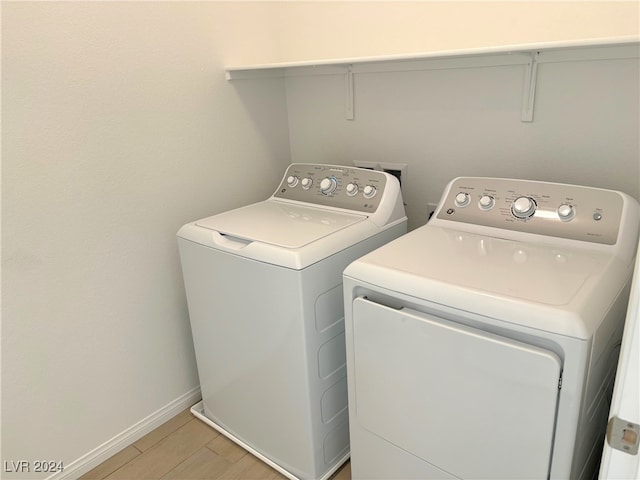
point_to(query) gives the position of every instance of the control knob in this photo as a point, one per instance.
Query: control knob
(352, 189)
(369, 191)
(523, 207)
(462, 199)
(306, 183)
(486, 202)
(292, 181)
(328, 185)
(566, 212)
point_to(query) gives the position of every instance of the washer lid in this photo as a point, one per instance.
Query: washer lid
(281, 224)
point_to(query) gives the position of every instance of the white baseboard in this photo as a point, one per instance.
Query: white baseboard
(101, 453)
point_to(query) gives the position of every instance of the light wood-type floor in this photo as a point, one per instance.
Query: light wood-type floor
(186, 448)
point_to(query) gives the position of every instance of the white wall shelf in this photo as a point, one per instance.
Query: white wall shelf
(529, 55)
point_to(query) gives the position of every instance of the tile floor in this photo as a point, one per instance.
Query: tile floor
(185, 448)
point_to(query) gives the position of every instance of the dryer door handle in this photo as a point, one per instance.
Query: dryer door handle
(384, 301)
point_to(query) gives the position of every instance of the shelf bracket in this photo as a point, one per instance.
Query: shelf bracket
(349, 94)
(529, 92)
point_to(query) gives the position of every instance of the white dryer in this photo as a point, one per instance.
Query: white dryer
(484, 344)
(264, 291)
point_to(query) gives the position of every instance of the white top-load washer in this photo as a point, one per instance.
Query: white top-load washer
(264, 291)
(620, 459)
(483, 345)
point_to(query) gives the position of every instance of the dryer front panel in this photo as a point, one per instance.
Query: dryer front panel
(473, 404)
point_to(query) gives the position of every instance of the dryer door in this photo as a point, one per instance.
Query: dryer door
(473, 404)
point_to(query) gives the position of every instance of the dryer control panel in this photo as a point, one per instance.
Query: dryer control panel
(351, 188)
(553, 209)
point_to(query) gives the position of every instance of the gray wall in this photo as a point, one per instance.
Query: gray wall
(458, 120)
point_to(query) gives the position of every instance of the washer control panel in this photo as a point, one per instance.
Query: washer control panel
(331, 185)
(558, 210)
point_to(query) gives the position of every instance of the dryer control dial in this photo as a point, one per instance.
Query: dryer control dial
(523, 207)
(566, 212)
(306, 183)
(292, 181)
(328, 185)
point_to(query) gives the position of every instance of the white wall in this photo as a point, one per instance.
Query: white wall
(118, 127)
(325, 30)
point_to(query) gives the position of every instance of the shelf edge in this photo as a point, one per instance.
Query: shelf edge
(278, 68)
